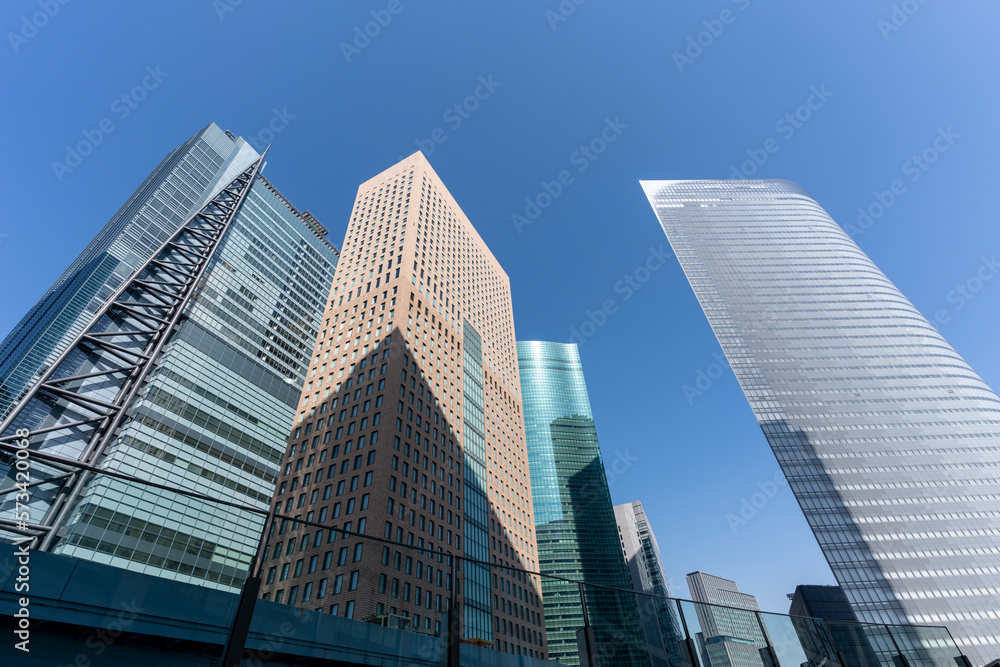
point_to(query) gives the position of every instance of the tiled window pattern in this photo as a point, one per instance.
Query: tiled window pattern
(179, 185)
(213, 416)
(412, 270)
(887, 437)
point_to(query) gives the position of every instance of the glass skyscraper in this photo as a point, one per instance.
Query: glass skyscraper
(889, 440)
(179, 185)
(213, 413)
(574, 518)
(730, 633)
(660, 622)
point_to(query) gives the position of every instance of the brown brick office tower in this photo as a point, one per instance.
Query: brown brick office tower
(410, 428)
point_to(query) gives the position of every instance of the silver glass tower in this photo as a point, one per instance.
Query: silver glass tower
(889, 440)
(642, 553)
(173, 350)
(731, 634)
(660, 623)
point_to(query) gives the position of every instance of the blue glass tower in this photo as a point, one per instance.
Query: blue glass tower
(574, 519)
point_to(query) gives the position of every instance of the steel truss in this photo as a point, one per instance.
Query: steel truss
(77, 407)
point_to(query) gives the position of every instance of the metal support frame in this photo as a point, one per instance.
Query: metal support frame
(87, 391)
(586, 638)
(451, 651)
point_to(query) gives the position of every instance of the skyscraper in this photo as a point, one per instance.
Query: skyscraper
(729, 636)
(410, 428)
(827, 602)
(178, 187)
(887, 437)
(642, 553)
(216, 331)
(660, 623)
(574, 518)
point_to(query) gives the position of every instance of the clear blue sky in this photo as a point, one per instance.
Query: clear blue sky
(554, 84)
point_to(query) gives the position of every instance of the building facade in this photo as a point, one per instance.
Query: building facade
(660, 622)
(827, 602)
(642, 553)
(212, 414)
(178, 187)
(886, 435)
(410, 428)
(574, 518)
(730, 633)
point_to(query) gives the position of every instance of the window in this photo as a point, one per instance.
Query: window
(353, 585)
(342, 558)
(338, 582)
(270, 574)
(357, 551)
(327, 560)
(284, 571)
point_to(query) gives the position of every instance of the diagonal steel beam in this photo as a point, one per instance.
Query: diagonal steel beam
(183, 259)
